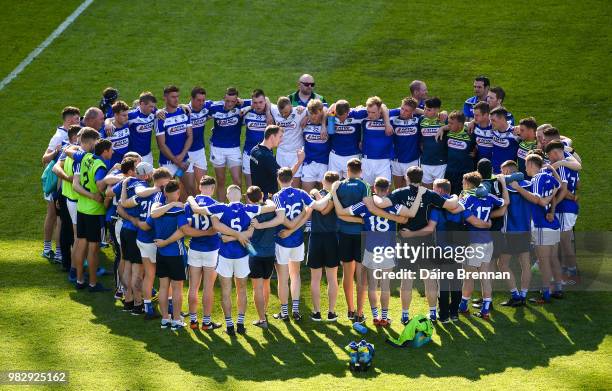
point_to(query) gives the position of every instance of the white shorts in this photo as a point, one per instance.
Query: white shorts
(225, 157)
(372, 264)
(373, 168)
(173, 168)
(239, 268)
(246, 163)
(483, 252)
(431, 173)
(118, 225)
(72, 210)
(202, 258)
(400, 169)
(567, 220)
(288, 159)
(147, 250)
(338, 163)
(313, 172)
(198, 158)
(148, 158)
(545, 236)
(286, 254)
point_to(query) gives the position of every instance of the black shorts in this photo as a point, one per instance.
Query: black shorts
(499, 244)
(422, 262)
(516, 243)
(171, 267)
(129, 249)
(323, 250)
(261, 267)
(90, 227)
(349, 247)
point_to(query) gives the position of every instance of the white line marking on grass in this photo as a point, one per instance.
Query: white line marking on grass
(60, 29)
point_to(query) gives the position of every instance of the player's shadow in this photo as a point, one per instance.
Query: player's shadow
(521, 338)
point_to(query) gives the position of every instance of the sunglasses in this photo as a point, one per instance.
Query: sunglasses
(308, 84)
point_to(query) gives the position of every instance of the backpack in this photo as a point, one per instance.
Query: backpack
(49, 179)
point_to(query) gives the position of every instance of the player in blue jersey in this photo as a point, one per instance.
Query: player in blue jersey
(174, 138)
(202, 257)
(256, 119)
(380, 227)
(565, 207)
(481, 241)
(495, 99)
(528, 142)
(141, 122)
(225, 140)
(505, 139)
(571, 159)
(418, 91)
(377, 141)
(118, 132)
(483, 130)
(144, 199)
(70, 116)
(516, 238)
(289, 247)
(406, 140)
(461, 151)
(544, 232)
(434, 149)
(346, 137)
(316, 146)
(351, 191)
(170, 269)
(199, 113)
(481, 90)
(233, 219)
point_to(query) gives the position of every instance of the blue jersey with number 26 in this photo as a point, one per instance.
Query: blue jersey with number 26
(292, 202)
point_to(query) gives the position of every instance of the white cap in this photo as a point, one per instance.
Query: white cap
(144, 168)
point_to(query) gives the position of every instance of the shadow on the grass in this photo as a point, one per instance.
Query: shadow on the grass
(531, 337)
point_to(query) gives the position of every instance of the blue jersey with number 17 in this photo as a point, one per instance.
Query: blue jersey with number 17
(201, 222)
(481, 208)
(292, 201)
(236, 216)
(570, 177)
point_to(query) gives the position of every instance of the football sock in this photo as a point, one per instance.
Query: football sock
(229, 322)
(148, 307)
(385, 313)
(486, 305)
(170, 306)
(240, 319)
(524, 293)
(193, 317)
(47, 245)
(515, 293)
(295, 307)
(284, 310)
(546, 294)
(206, 319)
(463, 305)
(405, 314)
(58, 252)
(374, 312)
(432, 312)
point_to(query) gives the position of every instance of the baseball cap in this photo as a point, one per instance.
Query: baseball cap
(144, 168)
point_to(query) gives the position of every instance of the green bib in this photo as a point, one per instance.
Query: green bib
(67, 189)
(89, 165)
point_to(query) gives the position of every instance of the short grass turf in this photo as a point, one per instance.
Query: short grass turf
(552, 58)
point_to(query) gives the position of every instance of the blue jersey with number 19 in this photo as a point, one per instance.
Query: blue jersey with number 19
(292, 201)
(236, 216)
(201, 222)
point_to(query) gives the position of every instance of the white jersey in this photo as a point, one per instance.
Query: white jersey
(59, 138)
(292, 138)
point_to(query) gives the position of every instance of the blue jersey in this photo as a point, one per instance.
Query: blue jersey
(434, 152)
(376, 144)
(543, 185)
(121, 143)
(383, 231)
(347, 133)
(112, 208)
(202, 243)
(255, 125)
(481, 208)
(141, 128)
(350, 192)
(174, 127)
(406, 137)
(198, 123)
(505, 147)
(468, 106)
(518, 214)
(484, 141)
(227, 124)
(132, 185)
(460, 147)
(164, 226)
(447, 225)
(144, 206)
(315, 148)
(570, 177)
(236, 216)
(292, 201)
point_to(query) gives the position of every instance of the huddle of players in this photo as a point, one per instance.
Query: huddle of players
(386, 147)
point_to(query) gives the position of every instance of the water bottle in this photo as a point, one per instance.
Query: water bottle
(360, 328)
(515, 177)
(251, 250)
(179, 172)
(331, 124)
